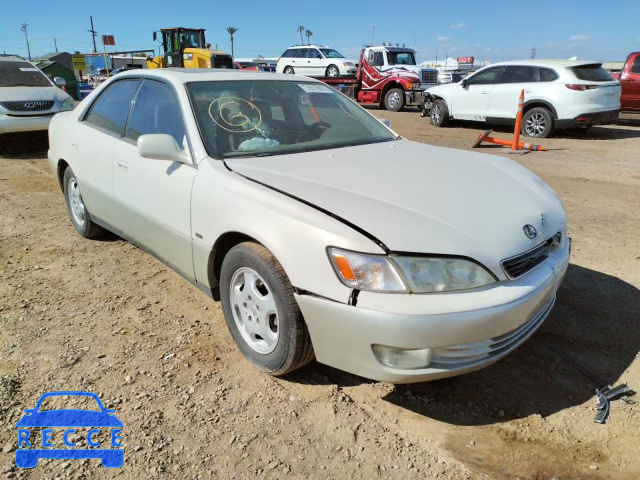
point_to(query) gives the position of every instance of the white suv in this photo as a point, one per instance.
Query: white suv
(558, 94)
(28, 99)
(315, 61)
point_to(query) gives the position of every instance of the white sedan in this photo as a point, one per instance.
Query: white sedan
(323, 233)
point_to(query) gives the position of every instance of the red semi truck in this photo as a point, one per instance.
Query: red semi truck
(629, 78)
(387, 76)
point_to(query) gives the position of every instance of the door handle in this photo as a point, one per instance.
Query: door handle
(123, 165)
(629, 80)
(484, 92)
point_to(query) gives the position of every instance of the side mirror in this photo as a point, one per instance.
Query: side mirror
(155, 36)
(60, 82)
(464, 83)
(160, 146)
(385, 122)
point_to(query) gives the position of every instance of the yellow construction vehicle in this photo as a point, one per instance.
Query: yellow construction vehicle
(186, 48)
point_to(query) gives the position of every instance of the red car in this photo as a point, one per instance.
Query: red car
(630, 82)
(254, 67)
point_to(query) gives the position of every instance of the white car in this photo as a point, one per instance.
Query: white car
(558, 94)
(315, 61)
(321, 231)
(28, 99)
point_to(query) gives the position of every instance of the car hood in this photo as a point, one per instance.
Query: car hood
(69, 418)
(12, 94)
(420, 198)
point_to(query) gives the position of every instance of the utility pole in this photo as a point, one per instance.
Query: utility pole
(93, 34)
(56, 44)
(533, 53)
(26, 35)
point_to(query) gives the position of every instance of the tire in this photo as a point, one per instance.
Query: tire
(80, 217)
(332, 71)
(251, 327)
(394, 99)
(289, 70)
(439, 114)
(537, 123)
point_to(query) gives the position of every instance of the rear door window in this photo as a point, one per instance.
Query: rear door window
(302, 53)
(592, 73)
(110, 111)
(635, 68)
(547, 75)
(156, 110)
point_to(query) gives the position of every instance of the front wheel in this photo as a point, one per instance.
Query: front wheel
(289, 70)
(261, 312)
(394, 99)
(439, 113)
(537, 123)
(332, 71)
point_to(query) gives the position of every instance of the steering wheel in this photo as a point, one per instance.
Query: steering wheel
(315, 130)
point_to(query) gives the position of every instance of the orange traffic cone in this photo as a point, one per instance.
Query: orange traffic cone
(515, 143)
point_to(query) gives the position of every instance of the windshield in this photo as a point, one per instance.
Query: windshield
(331, 53)
(21, 74)
(401, 58)
(594, 73)
(255, 118)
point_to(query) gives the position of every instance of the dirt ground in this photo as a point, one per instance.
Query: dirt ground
(106, 317)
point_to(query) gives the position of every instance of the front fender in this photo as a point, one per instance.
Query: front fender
(296, 233)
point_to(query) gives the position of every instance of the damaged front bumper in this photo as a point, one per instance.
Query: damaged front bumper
(453, 333)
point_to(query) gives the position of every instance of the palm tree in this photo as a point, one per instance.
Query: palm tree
(301, 31)
(231, 31)
(308, 34)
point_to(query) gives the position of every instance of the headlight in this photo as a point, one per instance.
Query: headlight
(68, 105)
(347, 64)
(442, 274)
(381, 273)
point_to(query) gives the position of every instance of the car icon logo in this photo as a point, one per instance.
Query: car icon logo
(29, 105)
(530, 231)
(69, 419)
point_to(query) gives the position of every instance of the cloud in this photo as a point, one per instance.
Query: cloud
(457, 26)
(442, 38)
(578, 38)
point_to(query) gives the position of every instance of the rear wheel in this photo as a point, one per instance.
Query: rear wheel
(537, 123)
(332, 71)
(439, 113)
(289, 70)
(394, 99)
(262, 315)
(80, 217)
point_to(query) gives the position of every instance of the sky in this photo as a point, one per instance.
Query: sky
(497, 30)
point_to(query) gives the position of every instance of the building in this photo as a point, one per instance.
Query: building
(63, 58)
(54, 69)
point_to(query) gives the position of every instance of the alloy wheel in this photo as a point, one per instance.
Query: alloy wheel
(535, 125)
(75, 201)
(254, 310)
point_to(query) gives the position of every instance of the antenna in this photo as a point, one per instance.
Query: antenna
(373, 32)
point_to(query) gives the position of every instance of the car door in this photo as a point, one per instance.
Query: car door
(471, 100)
(95, 140)
(155, 195)
(630, 80)
(504, 96)
(317, 63)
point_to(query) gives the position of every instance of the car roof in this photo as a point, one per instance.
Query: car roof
(308, 46)
(12, 58)
(184, 75)
(553, 62)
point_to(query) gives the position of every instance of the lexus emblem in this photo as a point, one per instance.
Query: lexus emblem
(530, 231)
(29, 105)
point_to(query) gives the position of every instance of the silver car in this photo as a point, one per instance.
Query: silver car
(322, 231)
(28, 99)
